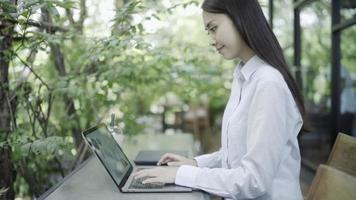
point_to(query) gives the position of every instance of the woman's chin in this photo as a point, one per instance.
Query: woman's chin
(228, 57)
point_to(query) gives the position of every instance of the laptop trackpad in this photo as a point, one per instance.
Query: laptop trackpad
(136, 185)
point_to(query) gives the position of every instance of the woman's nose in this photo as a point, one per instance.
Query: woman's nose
(212, 42)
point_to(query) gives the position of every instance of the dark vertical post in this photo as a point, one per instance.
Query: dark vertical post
(270, 12)
(335, 71)
(164, 123)
(297, 47)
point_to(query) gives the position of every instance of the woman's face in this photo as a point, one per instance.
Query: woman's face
(226, 39)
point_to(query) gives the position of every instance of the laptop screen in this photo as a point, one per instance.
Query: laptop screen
(108, 151)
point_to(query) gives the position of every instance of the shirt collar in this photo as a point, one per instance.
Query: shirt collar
(243, 71)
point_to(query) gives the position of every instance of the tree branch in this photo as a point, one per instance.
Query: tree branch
(12, 116)
(60, 65)
(24, 77)
(82, 15)
(34, 73)
(47, 26)
(43, 25)
(50, 100)
(70, 16)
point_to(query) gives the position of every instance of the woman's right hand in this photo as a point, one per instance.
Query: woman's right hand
(176, 160)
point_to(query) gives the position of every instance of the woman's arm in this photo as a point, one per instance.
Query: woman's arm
(212, 160)
(267, 137)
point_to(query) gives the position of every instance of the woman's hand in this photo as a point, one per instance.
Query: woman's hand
(175, 160)
(157, 175)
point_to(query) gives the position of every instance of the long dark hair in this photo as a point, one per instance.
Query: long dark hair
(252, 25)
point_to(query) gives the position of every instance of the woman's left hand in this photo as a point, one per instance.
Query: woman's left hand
(157, 175)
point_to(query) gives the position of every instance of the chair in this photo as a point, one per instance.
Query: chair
(332, 184)
(343, 154)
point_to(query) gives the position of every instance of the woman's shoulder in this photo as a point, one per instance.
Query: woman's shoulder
(268, 74)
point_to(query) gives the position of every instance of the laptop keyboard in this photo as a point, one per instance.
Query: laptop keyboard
(137, 183)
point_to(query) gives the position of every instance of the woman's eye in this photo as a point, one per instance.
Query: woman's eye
(213, 29)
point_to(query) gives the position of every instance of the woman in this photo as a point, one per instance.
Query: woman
(259, 156)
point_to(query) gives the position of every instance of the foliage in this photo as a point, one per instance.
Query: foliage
(316, 48)
(122, 72)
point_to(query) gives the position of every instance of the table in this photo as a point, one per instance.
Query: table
(91, 181)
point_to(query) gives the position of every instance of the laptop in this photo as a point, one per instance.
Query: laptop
(111, 156)
(151, 157)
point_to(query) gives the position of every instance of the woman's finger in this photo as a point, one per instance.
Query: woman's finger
(141, 174)
(157, 181)
(161, 159)
(167, 158)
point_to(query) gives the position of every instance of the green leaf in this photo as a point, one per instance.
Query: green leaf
(140, 28)
(3, 190)
(46, 146)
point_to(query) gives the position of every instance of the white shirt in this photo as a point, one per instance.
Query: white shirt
(259, 156)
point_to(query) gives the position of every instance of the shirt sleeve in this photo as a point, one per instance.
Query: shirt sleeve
(211, 160)
(266, 139)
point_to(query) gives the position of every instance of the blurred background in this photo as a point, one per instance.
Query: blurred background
(66, 65)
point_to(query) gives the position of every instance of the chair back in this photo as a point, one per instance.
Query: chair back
(343, 154)
(332, 184)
